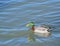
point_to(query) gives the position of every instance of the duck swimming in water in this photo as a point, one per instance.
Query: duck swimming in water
(42, 30)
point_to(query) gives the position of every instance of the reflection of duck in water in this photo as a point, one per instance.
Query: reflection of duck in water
(42, 30)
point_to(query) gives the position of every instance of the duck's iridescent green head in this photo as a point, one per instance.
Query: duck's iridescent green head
(30, 24)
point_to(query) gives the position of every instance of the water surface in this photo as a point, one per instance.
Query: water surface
(14, 14)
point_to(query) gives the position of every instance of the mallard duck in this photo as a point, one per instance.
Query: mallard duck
(42, 30)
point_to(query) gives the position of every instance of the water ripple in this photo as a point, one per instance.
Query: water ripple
(14, 14)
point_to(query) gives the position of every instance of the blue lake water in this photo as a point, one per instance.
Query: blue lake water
(14, 14)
